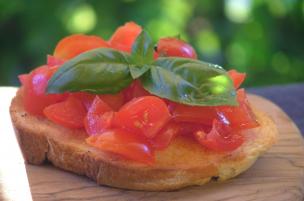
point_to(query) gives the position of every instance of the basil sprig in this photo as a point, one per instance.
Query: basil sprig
(106, 71)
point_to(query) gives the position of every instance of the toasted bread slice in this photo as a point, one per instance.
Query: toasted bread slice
(183, 163)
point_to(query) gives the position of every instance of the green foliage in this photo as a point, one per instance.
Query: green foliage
(263, 38)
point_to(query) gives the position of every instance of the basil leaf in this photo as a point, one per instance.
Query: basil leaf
(137, 70)
(100, 70)
(142, 55)
(142, 49)
(190, 82)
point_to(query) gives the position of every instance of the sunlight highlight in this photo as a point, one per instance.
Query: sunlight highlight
(14, 183)
(82, 20)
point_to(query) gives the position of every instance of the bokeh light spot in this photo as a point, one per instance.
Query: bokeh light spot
(280, 63)
(82, 19)
(238, 10)
(277, 8)
(237, 56)
(208, 42)
(161, 28)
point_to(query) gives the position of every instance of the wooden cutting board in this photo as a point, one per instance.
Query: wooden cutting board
(277, 175)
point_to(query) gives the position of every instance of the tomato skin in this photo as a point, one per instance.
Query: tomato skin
(145, 115)
(115, 101)
(86, 98)
(69, 113)
(219, 139)
(240, 117)
(23, 78)
(99, 117)
(164, 137)
(34, 84)
(126, 144)
(124, 36)
(73, 45)
(192, 114)
(237, 78)
(53, 61)
(174, 47)
(135, 90)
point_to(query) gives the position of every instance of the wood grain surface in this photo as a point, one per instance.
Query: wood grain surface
(277, 175)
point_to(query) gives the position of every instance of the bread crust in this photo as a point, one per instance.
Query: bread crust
(183, 163)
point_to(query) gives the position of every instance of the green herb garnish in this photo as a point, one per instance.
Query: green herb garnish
(108, 71)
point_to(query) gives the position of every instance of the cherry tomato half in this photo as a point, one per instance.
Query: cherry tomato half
(165, 136)
(237, 78)
(135, 90)
(99, 117)
(34, 84)
(240, 117)
(53, 61)
(124, 36)
(145, 115)
(74, 45)
(69, 113)
(192, 114)
(219, 138)
(115, 101)
(126, 144)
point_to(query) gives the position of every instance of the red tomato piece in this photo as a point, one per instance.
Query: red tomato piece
(165, 136)
(174, 47)
(135, 90)
(237, 78)
(219, 139)
(23, 78)
(74, 45)
(86, 98)
(69, 113)
(187, 129)
(241, 116)
(53, 61)
(192, 114)
(99, 117)
(145, 115)
(126, 144)
(34, 84)
(124, 36)
(115, 101)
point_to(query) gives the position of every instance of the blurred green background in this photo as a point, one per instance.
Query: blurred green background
(263, 38)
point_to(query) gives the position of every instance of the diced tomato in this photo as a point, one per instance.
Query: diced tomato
(74, 45)
(219, 139)
(174, 47)
(126, 144)
(99, 117)
(53, 61)
(135, 90)
(124, 36)
(34, 84)
(86, 98)
(69, 113)
(187, 129)
(192, 114)
(155, 55)
(115, 101)
(241, 116)
(145, 115)
(165, 136)
(237, 78)
(23, 78)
